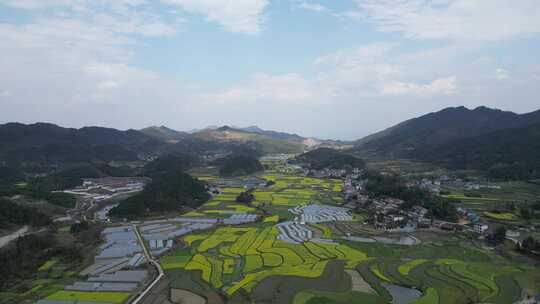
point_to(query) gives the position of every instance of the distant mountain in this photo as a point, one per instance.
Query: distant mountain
(269, 142)
(44, 143)
(274, 134)
(165, 134)
(209, 147)
(415, 136)
(329, 158)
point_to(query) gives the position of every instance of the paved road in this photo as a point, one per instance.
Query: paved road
(151, 260)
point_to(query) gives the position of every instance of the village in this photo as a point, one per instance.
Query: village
(387, 213)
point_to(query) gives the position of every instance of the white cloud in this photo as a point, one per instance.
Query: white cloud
(364, 54)
(239, 16)
(479, 20)
(440, 86)
(366, 72)
(314, 7)
(116, 16)
(287, 88)
(501, 74)
(36, 4)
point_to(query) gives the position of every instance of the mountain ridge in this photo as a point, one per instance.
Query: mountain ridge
(438, 128)
(502, 143)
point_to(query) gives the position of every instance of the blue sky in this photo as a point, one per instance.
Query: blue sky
(330, 69)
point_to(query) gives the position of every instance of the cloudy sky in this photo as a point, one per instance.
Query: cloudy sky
(332, 69)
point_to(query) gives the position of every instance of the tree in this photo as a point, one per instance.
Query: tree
(498, 235)
(245, 197)
(530, 245)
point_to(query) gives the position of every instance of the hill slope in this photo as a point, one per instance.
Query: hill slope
(510, 153)
(164, 134)
(51, 144)
(274, 143)
(170, 191)
(238, 165)
(418, 135)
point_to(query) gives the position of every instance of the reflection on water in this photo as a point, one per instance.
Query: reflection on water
(402, 295)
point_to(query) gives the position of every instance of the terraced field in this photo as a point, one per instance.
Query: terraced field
(248, 264)
(489, 199)
(260, 255)
(236, 261)
(223, 205)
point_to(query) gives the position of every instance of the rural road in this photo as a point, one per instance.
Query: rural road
(12, 236)
(149, 258)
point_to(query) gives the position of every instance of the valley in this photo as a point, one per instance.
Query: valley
(219, 217)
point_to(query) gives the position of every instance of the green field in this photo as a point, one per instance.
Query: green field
(103, 297)
(261, 255)
(447, 269)
(249, 264)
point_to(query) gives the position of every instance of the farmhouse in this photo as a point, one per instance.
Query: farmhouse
(480, 228)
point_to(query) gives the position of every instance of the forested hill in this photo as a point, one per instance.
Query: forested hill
(510, 153)
(13, 215)
(418, 135)
(170, 162)
(329, 158)
(44, 143)
(237, 165)
(170, 191)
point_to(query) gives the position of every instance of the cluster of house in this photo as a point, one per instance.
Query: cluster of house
(467, 185)
(352, 188)
(387, 214)
(475, 221)
(434, 185)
